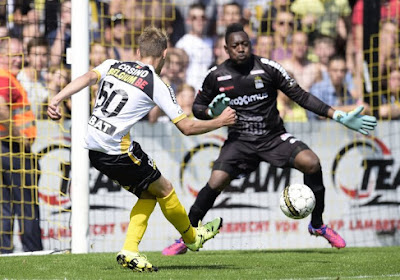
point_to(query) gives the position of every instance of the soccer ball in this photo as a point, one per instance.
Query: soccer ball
(297, 201)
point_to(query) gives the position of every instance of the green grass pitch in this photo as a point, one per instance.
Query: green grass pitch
(324, 264)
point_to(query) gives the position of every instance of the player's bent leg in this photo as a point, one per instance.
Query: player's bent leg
(161, 187)
(176, 214)
(204, 202)
(135, 261)
(329, 234)
(205, 233)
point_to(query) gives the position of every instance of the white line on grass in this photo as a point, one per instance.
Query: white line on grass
(346, 277)
(35, 253)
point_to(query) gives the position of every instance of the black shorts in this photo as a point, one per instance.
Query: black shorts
(239, 158)
(134, 171)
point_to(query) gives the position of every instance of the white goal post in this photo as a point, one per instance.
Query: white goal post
(79, 57)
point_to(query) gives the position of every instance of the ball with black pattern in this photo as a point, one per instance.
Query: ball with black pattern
(297, 201)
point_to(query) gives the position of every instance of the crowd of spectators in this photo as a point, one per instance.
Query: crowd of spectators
(301, 35)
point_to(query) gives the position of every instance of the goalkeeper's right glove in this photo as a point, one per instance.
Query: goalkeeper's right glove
(218, 104)
(355, 121)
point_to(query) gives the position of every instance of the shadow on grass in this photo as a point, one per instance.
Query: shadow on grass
(327, 251)
(198, 267)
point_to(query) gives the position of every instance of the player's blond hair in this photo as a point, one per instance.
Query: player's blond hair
(152, 42)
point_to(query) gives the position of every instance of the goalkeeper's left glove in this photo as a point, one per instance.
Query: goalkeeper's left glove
(355, 121)
(218, 104)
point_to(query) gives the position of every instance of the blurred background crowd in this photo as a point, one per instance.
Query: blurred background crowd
(319, 42)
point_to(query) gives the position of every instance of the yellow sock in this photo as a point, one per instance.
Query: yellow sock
(176, 214)
(140, 215)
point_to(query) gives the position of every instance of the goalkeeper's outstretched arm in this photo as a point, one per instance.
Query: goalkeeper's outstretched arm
(354, 120)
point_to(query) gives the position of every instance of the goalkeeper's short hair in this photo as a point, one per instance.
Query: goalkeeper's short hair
(232, 28)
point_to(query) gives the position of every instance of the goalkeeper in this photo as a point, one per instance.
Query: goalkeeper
(249, 84)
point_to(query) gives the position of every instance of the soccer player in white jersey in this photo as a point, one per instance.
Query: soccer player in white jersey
(127, 92)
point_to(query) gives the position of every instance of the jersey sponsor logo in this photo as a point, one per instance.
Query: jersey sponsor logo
(131, 74)
(141, 83)
(256, 72)
(223, 89)
(278, 67)
(254, 126)
(245, 100)
(224, 78)
(132, 80)
(133, 70)
(122, 76)
(101, 125)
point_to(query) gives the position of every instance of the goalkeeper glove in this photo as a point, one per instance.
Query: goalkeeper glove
(355, 121)
(218, 104)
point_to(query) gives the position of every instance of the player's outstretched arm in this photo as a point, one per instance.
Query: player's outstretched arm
(53, 111)
(192, 127)
(355, 121)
